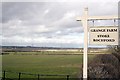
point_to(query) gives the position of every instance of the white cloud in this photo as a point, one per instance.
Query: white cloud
(69, 15)
(49, 23)
(60, 1)
(46, 11)
(40, 28)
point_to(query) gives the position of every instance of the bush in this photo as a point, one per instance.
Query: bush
(117, 55)
(104, 66)
(102, 71)
(106, 59)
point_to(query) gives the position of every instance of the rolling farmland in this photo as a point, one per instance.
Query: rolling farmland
(42, 64)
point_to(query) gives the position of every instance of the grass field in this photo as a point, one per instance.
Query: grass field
(42, 64)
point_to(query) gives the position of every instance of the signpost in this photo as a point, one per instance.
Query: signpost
(85, 25)
(101, 35)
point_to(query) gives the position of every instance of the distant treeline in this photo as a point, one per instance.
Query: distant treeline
(45, 47)
(38, 49)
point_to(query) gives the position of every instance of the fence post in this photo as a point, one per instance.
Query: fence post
(4, 75)
(38, 76)
(67, 77)
(19, 76)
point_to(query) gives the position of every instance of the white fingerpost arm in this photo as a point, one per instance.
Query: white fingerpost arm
(99, 18)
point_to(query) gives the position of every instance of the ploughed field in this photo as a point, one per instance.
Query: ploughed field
(29, 62)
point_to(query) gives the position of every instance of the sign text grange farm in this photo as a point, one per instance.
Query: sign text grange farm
(103, 35)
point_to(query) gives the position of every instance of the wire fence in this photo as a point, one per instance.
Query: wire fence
(6, 75)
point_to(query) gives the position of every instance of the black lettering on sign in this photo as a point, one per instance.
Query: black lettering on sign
(103, 36)
(97, 30)
(103, 40)
(111, 30)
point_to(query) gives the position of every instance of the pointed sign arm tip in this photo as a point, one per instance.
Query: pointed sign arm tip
(78, 19)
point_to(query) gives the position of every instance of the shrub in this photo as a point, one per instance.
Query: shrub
(117, 55)
(104, 66)
(102, 71)
(106, 59)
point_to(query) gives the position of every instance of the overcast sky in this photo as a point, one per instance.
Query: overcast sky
(51, 24)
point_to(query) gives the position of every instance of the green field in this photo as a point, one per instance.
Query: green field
(42, 64)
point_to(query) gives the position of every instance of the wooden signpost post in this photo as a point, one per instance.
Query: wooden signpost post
(85, 24)
(102, 38)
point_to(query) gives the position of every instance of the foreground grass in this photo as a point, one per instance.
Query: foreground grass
(43, 64)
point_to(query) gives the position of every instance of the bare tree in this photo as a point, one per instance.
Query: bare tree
(114, 49)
